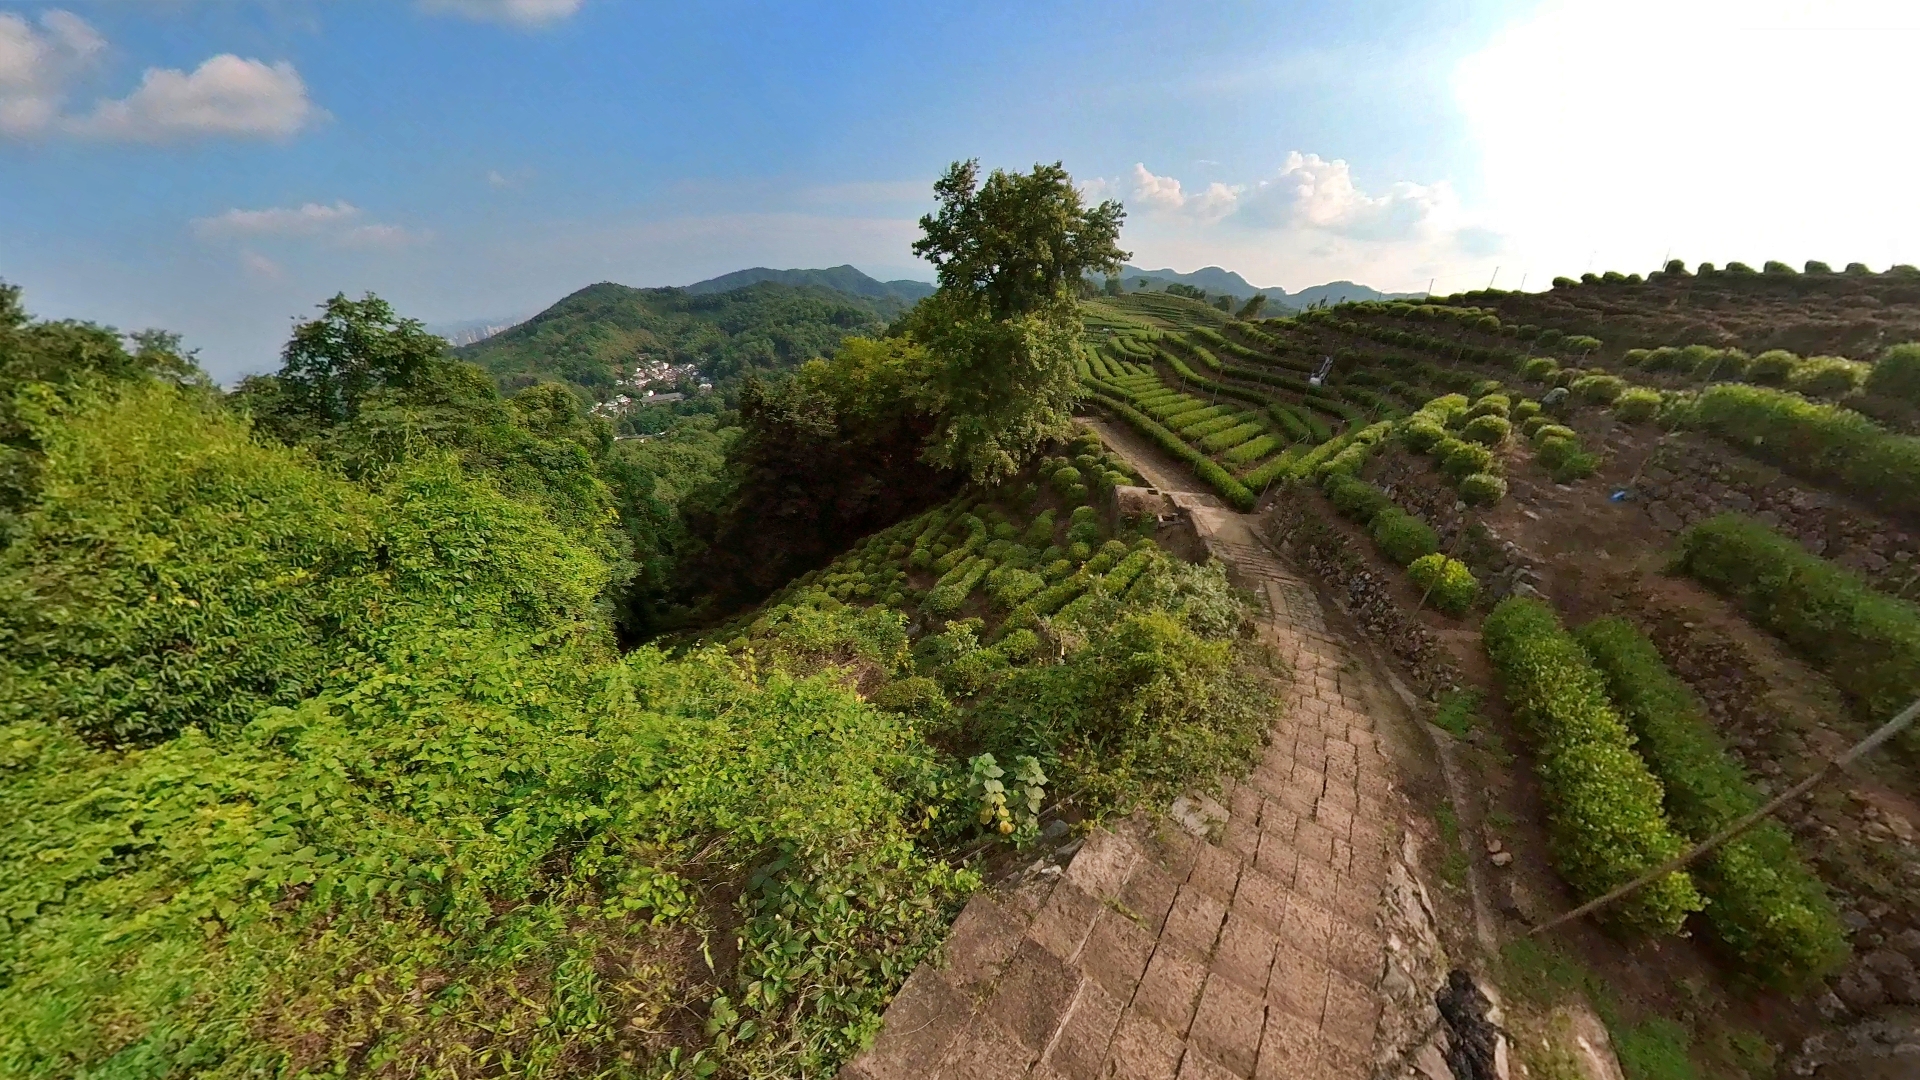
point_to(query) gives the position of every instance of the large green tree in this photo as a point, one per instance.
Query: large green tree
(1002, 329)
(354, 348)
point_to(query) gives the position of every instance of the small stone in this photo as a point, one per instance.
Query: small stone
(1830, 1006)
(1860, 990)
(1493, 844)
(1888, 964)
(1907, 941)
(1503, 858)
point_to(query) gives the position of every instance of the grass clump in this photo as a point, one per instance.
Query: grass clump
(1606, 820)
(1766, 907)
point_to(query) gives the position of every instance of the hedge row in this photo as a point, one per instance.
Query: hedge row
(1866, 641)
(1604, 807)
(1228, 438)
(1764, 904)
(1819, 442)
(1206, 468)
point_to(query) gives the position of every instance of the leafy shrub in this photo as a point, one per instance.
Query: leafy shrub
(1868, 642)
(1543, 432)
(1085, 526)
(1564, 460)
(1488, 430)
(1637, 405)
(1064, 479)
(952, 589)
(1605, 820)
(1448, 584)
(1403, 537)
(1461, 459)
(1601, 389)
(1482, 489)
(1764, 904)
(1773, 367)
(1664, 358)
(1817, 441)
(1828, 376)
(1814, 266)
(1206, 425)
(1539, 368)
(1723, 364)
(1040, 530)
(1897, 373)
(1635, 357)
(1523, 410)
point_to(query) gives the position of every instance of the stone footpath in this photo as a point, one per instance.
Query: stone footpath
(1242, 942)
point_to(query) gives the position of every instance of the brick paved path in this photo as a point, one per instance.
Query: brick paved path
(1252, 953)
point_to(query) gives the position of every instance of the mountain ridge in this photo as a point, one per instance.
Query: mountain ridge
(844, 278)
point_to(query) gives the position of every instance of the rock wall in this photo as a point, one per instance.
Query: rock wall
(1687, 479)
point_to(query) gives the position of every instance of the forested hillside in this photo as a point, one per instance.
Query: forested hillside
(594, 339)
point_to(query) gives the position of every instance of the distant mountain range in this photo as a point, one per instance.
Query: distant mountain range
(843, 278)
(1218, 281)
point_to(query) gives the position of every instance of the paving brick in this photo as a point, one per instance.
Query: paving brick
(1227, 1025)
(1354, 951)
(1142, 1050)
(1357, 901)
(1081, 1047)
(1194, 922)
(1244, 803)
(1279, 819)
(1215, 872)
(1306, 926)
(985, 1051)
(925, 1018)
(1316, 881)
(1341, 1061)
(1333, 815)
(1314, 842)
(1245, 952)
(1062, 925)
(1171, 988)
(1033, 995)
(1351, 1012)
(1116, 953)
(1173, 848)
(1277, 857)
(1289, 1048)
(1298, 983)
(1198, 1066)
(1149, 893)
(982, 939)
(1101, 865)
(1261, 898)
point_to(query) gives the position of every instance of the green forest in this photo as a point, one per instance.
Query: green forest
(387, 715)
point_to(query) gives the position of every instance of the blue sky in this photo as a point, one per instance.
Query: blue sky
(218, 168)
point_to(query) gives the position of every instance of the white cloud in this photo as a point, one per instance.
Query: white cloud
(1307, 222)
(1164, 194)
(225, 96)
(495, 180)
(37, 65)
(340, 223)
(1716, 129)
(509, 12)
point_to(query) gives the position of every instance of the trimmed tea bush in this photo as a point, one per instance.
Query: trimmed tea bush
(1605, 819)
(1403, 537)
(1232, 437)
(1422, 434)
(1523, 410)
(1765, 906)
(1563, 459)
(1599, 389)
(1817, 441)
(1355, 499)
(1828, 376)
(1251, 450)
(1448, 584)
(1459, 460)
(1638, 405)
(1491, 404)
(1488, 430)
(1204, 467)
(1867, 642)
(1539, 368)
(1897, 374)
(1482, 489)
(1773, 367)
